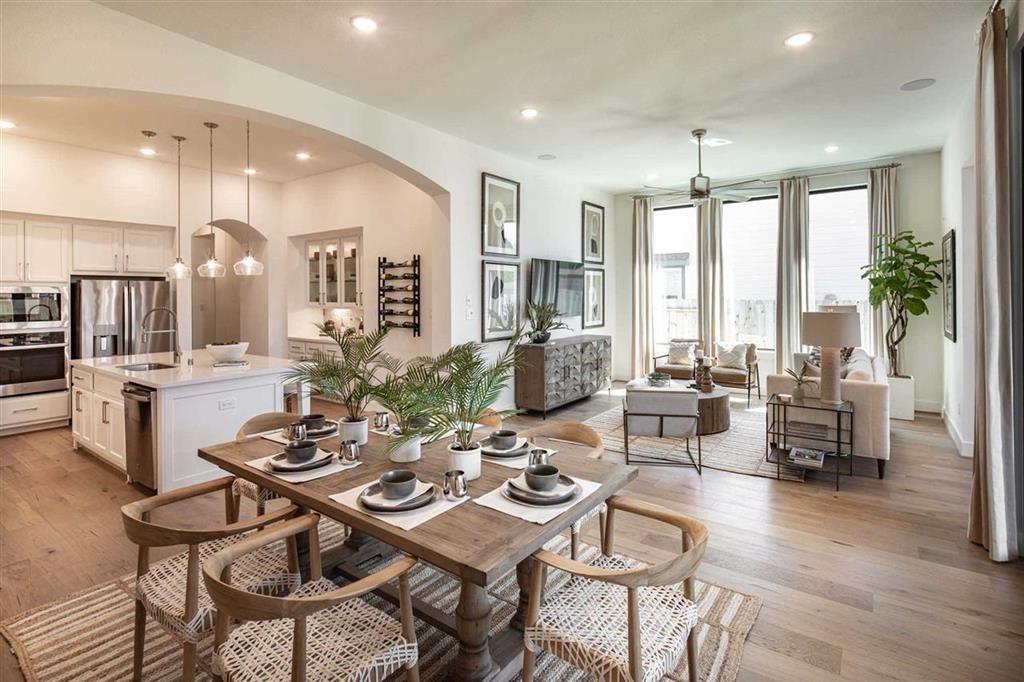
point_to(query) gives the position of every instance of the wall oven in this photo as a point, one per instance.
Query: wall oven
(33, 307)
(33, 362)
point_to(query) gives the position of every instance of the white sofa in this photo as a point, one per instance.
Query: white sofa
(865, 383)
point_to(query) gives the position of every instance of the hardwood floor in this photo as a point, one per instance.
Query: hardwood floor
(877, 581)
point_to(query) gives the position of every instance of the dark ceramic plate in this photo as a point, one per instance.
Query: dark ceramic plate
(522, 496)
(421, 500)
(280, 463)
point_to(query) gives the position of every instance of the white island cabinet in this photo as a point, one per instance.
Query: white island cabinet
(191, 406)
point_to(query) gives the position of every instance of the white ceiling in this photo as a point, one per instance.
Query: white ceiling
(619, 85)
(112, 125)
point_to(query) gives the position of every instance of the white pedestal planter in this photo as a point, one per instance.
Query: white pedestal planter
(901, 398)
(467, 461)
(407, 452)
(356, 431)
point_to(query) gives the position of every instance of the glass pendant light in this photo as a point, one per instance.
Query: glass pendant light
(248, 266)
(179, 270)
(212, 267)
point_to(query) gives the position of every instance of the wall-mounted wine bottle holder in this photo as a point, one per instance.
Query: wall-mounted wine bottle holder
(398, 293)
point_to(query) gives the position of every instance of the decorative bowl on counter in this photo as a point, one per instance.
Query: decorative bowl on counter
(227, 352)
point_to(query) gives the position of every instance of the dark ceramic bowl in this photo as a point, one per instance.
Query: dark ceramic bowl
(299, 451)
(313, 422)
(542, 476)
(503, 440)
(397, 483)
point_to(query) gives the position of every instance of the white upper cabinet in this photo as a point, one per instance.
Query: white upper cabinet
(334, 278)
(46, 251)
(96, 248)
(12, 249)
(146, 249)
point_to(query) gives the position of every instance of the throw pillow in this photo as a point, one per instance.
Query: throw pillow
(681, 353)
(732, 355)
(811, 370)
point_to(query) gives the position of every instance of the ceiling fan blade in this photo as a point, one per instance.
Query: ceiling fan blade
(730, 196)
(739, 184)
(666, 189)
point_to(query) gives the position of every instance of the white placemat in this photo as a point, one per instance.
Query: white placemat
(406, 520)
(302, 476)
(497, 500)
(514, 462)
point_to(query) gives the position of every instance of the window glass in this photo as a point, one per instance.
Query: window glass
(749, 236)
(674, 243)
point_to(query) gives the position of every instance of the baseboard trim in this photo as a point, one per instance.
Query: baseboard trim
(963, 448)
(933, 406)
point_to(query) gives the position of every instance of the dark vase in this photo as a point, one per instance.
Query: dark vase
(540, 337)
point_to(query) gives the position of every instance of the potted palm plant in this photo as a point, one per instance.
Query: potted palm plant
(453, 392)
(543, 318)
(402, 395)
(350, 377)
(801, 380)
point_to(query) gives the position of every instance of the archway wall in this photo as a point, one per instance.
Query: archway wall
(84, 45)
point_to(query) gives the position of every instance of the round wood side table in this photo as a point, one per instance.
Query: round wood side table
(714, 411)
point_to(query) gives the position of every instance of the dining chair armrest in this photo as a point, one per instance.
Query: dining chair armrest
(145, 533)
(147, 504)
(697, 530)
(659, 357)
(629, 577)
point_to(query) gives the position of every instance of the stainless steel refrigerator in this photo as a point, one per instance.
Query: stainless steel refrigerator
(106, 316)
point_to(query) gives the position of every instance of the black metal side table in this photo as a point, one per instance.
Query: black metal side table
(780, 427)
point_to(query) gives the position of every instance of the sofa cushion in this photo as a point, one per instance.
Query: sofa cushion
(858, 367)
(731, 355)
(675, 371)
(811, 370)
(681, 352)
(729, 375)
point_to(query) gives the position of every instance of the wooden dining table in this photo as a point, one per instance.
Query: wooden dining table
(473, 543)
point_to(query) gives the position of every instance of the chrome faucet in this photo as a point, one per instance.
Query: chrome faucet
(173, 330)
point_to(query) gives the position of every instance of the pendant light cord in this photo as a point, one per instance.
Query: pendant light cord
(179, 198)
(214, 254)
(248, 167)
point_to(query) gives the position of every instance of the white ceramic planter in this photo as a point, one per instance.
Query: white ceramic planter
(408, 451)
(467, 461)
(901, 398)
(356, 431)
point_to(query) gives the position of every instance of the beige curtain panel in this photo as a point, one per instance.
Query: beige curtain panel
(883, 200)
(710, 280)
(643, 287)
(791, 285)
(993, 512)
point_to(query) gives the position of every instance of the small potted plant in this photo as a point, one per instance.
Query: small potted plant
(402, 395)
(801, 379)
(454, 391)
(543, 320)
(351, 377)
(658, 379)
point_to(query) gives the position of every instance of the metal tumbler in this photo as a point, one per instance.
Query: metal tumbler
(455, 484)
(349, 451)
(381, 421)
(295, 431)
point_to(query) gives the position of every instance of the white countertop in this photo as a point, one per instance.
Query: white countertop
(200, 372)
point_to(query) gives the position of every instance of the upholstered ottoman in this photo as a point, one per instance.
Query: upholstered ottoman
(660, 412)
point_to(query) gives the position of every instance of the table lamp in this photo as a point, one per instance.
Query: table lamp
(832, 332)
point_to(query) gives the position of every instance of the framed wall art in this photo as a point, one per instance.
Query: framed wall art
(499, 216)
(593, 233)
(500, 298)
(949, 285)
(593, 298)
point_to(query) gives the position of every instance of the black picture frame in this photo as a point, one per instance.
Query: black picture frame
(586, 207)
(586, 323)
(488, 249)
(486, 295)
(949, 285)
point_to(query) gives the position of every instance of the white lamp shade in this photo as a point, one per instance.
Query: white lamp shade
(179, 270)
(831, 330)
(248, 266)
(212, 268)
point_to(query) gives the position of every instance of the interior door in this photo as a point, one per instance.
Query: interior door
(145, 250)
(96, 248)
(45, 252)
(11, 250)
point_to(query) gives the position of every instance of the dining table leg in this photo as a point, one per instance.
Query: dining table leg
(523, 570)
(473, 625)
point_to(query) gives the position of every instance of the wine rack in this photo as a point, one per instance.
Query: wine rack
(398, 293)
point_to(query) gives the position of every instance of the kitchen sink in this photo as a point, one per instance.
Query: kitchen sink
(146, 366)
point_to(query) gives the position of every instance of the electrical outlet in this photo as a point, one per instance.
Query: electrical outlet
(470, 312)
(227, 404)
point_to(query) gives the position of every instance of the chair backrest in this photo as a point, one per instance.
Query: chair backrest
(261, 423)
(574, 432)
(491, 419)
(669, 413)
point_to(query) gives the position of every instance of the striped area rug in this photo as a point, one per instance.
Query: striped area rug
(88, 636)
(739, 450)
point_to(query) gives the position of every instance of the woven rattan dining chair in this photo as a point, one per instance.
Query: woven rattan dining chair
(574, 432)
(621, 621)
(170, 590)
(332, 634)
(491, 419)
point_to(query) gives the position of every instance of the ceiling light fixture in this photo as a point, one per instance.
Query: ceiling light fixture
(651, 177)
(919, 84)
(212, 267)
(248, 266)
(364, 24)
(831, 148)
(799, 39)
(7, 125)
(529, 113)
(148, 151)
(547, 157)
(249, 171)
(302, 156)
(711, 141)
(178, 270)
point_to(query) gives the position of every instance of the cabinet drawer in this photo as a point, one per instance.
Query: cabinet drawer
(81, 379)
(28, 409)
(108, 386)
(296, 347)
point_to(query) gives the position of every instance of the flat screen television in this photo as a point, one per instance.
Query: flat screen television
(559, 282)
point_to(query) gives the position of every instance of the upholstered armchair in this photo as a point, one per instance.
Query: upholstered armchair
(736, 372)
(677, 361)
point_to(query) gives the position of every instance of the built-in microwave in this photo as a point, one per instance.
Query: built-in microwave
(33, 307)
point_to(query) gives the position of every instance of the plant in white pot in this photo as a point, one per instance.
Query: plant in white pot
(402, 395)
(350, 377)
(902, 278)
(455, 391)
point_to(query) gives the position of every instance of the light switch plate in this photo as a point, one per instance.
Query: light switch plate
(226, 404)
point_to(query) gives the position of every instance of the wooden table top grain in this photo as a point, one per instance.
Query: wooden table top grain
(473, 542)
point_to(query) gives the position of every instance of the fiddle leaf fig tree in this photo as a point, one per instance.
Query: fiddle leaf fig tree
(902, 278)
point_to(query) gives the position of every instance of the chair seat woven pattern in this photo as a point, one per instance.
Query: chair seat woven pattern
(584, 623)
(351, 641)
(251, 491)
(592, 514)
(332, 533)
(162, 589)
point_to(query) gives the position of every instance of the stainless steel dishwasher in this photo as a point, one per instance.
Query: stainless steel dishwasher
(139, 435)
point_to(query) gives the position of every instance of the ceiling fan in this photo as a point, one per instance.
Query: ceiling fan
(700, 185)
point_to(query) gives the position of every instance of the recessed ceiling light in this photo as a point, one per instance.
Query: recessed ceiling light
(712, 141)
(651, 177)
(147, 151)
(6, 125)
(302, 156)
(799, 39)
(919, 84)
(831, 148)
(547, 157)
(528, 113)
(249, 171)
(364, 24)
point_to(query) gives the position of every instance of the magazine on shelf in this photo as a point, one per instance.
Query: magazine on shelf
(798, 428)
(807, 457)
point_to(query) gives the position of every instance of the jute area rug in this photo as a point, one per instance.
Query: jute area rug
(739, 449)
(88, 636)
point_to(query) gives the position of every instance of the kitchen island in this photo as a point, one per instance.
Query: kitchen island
(173, 409)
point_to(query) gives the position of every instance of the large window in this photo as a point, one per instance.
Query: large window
(749, 237)
(674, 243)
(840, 243)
